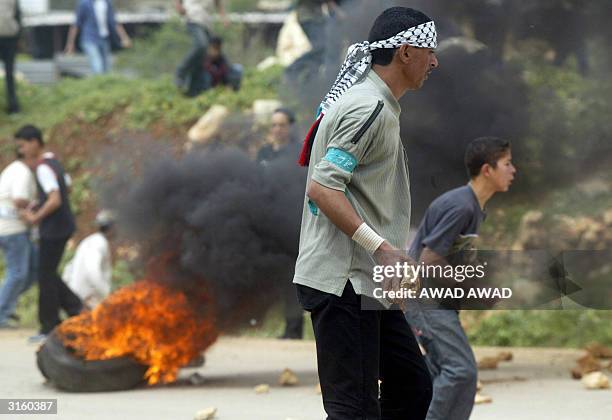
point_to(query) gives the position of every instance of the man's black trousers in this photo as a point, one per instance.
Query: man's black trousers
(53, 292)
(356, 348)
(8, 51)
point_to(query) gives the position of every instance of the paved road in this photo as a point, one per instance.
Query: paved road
(534, 386)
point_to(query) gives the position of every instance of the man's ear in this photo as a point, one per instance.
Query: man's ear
(404, 53)
(485, 169)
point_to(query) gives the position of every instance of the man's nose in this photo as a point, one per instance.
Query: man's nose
(434, 62)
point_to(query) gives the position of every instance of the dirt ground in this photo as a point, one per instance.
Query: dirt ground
(536, 385)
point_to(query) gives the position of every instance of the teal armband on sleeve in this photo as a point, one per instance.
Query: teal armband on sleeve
(342, 159)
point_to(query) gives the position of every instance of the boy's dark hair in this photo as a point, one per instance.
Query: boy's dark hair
(30, 132)
(484, 150)
(216, 41)
(390, 23)
(287, 112)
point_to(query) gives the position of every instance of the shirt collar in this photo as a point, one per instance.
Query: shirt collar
(471, 188)
(384, 89)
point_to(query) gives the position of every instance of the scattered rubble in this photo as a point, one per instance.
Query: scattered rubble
(268, 62)
(491, 362)
(488, 363)
(599, 351)
(482, 399)
(596, 380)
(288, 378)
(208, 125)
(585, 365)
(529, 235)
(564, 232)
(196, 379)
(292, 42)
(206, 414)
(262, 389)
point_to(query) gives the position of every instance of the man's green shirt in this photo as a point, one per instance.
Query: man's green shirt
(357, 150)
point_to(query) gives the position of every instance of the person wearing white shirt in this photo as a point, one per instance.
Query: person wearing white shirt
(89, 273)
(17, 191)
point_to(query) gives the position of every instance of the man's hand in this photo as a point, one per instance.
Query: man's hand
(387, 255)
(28, 216)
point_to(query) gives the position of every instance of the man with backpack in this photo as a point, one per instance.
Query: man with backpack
(56, 225)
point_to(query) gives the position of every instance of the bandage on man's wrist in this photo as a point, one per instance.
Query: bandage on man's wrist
(367, 238)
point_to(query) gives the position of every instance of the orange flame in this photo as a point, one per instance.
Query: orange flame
(150, 322)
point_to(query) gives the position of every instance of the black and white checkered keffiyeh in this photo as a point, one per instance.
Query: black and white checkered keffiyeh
(359, 57)
(356, 65)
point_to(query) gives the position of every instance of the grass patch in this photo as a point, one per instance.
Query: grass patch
(568, 328)
(139, 102)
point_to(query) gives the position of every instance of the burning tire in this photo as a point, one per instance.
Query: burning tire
(66, 371)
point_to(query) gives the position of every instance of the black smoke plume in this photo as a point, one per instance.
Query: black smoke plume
(487, 47)
(227, 224)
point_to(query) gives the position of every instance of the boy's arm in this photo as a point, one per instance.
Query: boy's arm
(430, 258)
(438, 245)
(446, 230)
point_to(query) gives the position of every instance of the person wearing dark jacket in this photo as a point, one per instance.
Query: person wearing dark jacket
(56, 225)
(280, 143)
(217, 70)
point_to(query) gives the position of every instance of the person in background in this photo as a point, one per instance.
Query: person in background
(312, 16)
(56, 225)
(198, 16)
(281, 141)
(282, 135)
(96, 24)
(218, 70)
(89, 273)
(17, 191)
(10, 28)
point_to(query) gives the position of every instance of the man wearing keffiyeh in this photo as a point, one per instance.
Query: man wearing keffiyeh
(357, 215)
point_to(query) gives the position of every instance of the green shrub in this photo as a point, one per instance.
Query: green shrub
(568, 328)
(139, 103)
(159, 51)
